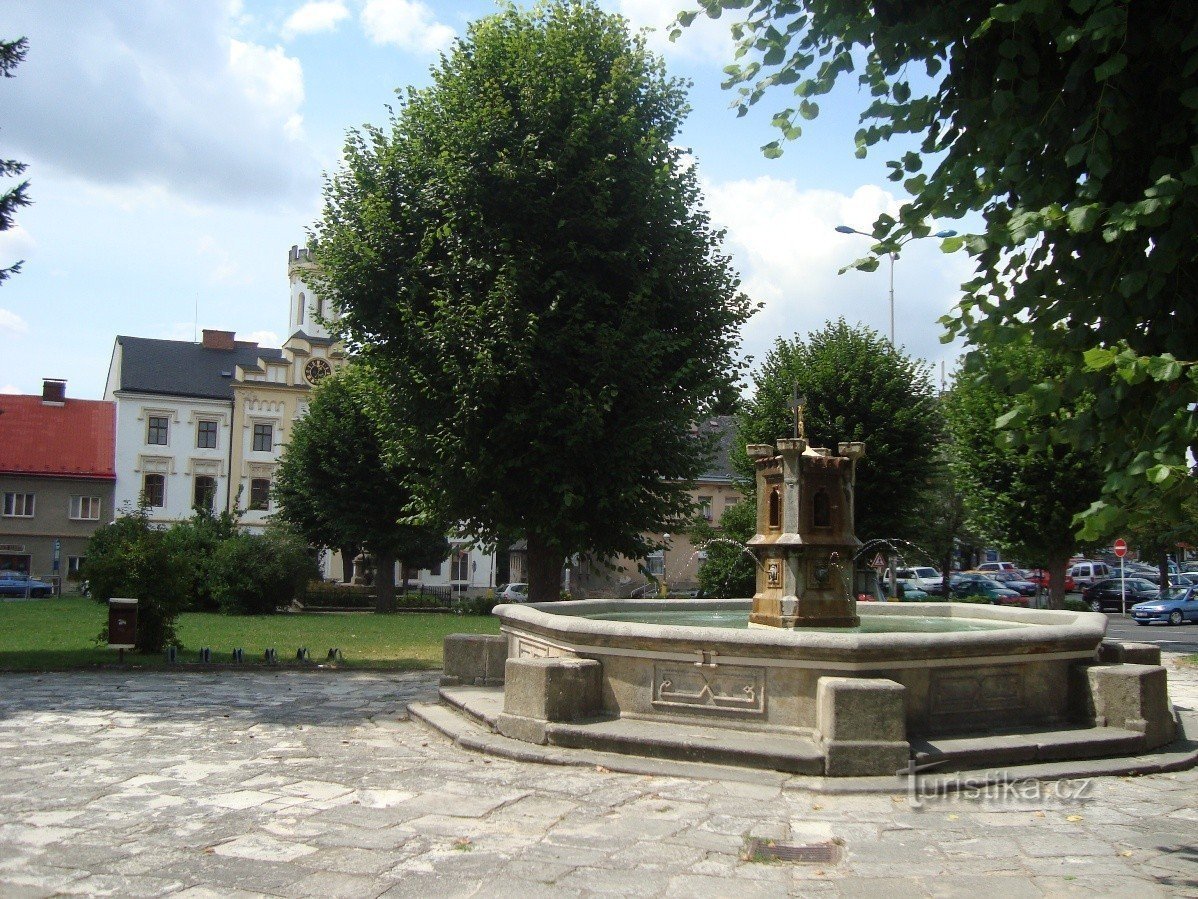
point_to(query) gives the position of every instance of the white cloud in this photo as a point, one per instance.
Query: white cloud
(409, 24)
(144, 94)
(315, 17)
(15, 244)
(10, 389)
(705, 38)
(783, 240)
(11, 323)
(264, 338)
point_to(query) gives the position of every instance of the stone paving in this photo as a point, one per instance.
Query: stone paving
(315, 784)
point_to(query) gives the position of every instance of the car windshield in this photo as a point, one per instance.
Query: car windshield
(926, 572)
(1175, 593)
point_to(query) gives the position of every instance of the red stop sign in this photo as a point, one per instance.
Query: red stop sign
(1121, 547)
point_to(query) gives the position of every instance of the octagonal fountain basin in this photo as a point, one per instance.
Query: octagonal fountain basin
(962, 667)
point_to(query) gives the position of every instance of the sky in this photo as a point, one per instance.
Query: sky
(176, 152)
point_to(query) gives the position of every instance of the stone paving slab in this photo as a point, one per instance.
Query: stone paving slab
(300, 784)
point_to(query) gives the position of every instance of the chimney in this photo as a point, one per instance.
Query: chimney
(218, 340)
(54, 391)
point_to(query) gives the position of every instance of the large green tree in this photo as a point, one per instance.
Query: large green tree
(335, 488)
(12, 53)
(1069, 126)
(857, 387)
(522, 258)
(1022, 497)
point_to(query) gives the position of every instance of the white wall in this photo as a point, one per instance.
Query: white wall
(179, 460)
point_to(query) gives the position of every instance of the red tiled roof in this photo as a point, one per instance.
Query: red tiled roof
(76, 439)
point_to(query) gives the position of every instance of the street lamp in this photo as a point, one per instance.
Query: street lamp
(845, 229)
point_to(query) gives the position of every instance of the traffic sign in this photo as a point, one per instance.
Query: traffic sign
(1121, 547)
(878, 562)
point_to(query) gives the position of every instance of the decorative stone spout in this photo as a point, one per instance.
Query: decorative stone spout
(805, 541)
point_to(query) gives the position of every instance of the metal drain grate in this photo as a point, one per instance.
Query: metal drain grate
(757, 849)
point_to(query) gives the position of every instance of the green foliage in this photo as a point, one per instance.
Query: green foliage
(192, 546)
(256, 574)
(521, 258)
(728, 571)
(334, 485)
(12, 53)
(858, 387)
(1023, 497)
(1069, 126)
(129, 558)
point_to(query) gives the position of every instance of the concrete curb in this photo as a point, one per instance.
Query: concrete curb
(471, 735)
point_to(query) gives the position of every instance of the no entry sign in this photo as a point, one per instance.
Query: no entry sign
(1121, 547)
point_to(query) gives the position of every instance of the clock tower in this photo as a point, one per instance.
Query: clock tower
(308, 313)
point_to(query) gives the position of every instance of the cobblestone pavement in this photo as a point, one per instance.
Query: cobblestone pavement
(311, 784)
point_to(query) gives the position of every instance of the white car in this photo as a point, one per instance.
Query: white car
(512, 592)
(992, 567)
(921, 577)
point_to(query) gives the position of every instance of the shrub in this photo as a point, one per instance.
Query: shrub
(256, 574)
(130, 558)
(477, 605)
(1076, 605)
(192, 545)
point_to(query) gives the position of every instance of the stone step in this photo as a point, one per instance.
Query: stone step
(965, 753)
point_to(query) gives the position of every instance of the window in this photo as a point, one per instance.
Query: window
(19, 505)
(435, 571)
(730, 501)
(153, 490)
(821, 509)
(775, 520)
(461, 566)
(85, 508)
(655, 564)
(302, 300)
(259, 494)
(319, 307)
(204, 493)
(156, 430)
(74, 566)
(263, 438)
(206, 435)
(705, 507)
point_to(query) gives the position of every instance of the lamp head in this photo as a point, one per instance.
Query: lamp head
(845, 229)
(947, 232)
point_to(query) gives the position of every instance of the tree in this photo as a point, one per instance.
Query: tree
(192, 545)
(729, 569)
(857, 387)
(12, 53)
(1022, 497)
(522, 259)
(1069, 125)
(1156, 536)
(130, 558)
(333, 485)
(257, 574)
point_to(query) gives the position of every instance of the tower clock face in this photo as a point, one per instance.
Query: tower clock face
(316, 369)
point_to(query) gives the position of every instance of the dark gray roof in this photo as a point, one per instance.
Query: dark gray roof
(720, 466)
(315, 341)
(180, 368)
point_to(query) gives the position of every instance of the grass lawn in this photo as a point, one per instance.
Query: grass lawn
(55, 634)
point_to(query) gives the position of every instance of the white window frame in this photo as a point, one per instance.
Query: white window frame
(655, 563)
(28, 505)
(81, 503)
(149, 424)
(707, 507)
(144, 494)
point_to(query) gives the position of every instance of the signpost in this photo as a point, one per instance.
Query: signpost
(1121, 551)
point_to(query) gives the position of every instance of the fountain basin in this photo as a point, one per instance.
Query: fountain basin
(1000, 668)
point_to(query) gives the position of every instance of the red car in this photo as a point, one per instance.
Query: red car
(1040, 576)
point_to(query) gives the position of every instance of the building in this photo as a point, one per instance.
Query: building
(174, 421)
(57, 477)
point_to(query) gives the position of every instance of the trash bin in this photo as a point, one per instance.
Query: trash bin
(122, 623)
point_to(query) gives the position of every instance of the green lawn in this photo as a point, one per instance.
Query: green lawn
(60, 633)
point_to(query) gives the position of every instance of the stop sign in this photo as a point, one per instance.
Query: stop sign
(1121, 547)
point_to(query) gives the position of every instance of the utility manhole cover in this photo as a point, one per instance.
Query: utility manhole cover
(759, 850)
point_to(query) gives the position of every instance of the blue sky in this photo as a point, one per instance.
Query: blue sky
(175, 154)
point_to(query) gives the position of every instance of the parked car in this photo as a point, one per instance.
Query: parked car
(1086, 574)
(1177, 605)
(920, 577)
(991, 567)
(1183, 580)
(1040, 577)
(1014, 580)
(512, 592)
(908, 591)
(17, 583)
(1106, 596)
(970, 584)
(1189, 568)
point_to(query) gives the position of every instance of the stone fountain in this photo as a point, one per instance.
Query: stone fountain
(800, 678)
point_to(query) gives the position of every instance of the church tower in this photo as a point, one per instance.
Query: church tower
(306, 307)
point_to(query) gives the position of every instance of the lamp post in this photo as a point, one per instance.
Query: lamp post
(845, 229)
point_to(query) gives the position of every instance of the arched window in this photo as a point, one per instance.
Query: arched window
(302, 301)
(775, 510)
(319, 307)
(821, 509)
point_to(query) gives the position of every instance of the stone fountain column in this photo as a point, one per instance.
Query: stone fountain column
(804, 541)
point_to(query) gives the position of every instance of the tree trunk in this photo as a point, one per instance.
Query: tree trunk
(384, 582)
(1164, 575)
(1057, 566)
(544, 570)
(946, 567)
(347, 563)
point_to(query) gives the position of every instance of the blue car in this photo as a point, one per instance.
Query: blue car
(1176, 605)
(17, 583)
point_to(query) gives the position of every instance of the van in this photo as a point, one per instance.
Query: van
(920, 577)
(1086, 574)
(991, 567)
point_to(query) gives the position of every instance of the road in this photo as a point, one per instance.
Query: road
(1183, 638)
